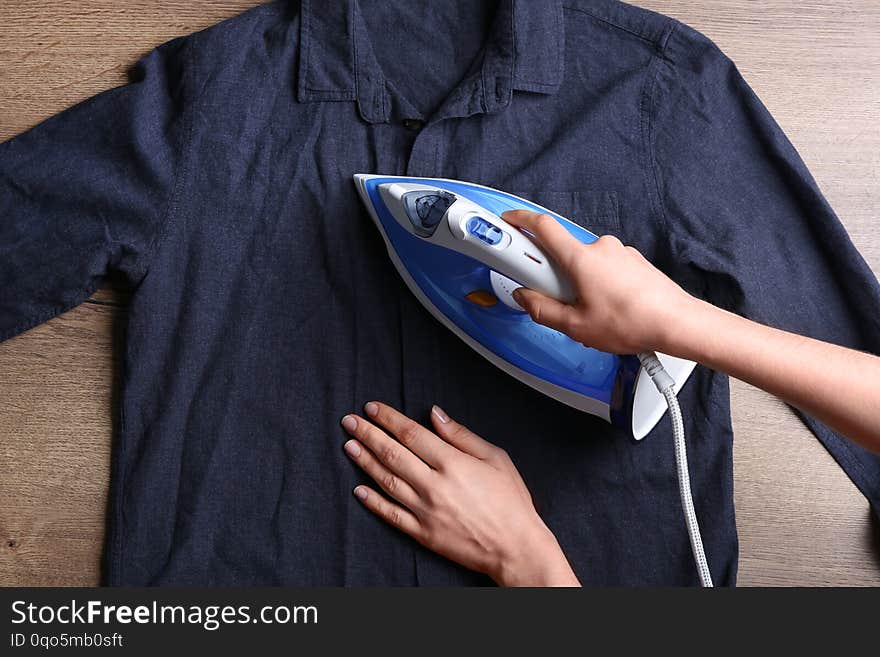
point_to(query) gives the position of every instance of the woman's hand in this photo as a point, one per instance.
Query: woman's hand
(624, 304)
(456, 494)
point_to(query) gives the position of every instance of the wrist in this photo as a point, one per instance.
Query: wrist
(680, 326)
(703, 333)
(537, 560)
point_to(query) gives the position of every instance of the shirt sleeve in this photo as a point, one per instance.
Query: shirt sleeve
(747, 223)
(88, 191)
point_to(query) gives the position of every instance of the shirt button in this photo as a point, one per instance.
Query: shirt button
(413, 124)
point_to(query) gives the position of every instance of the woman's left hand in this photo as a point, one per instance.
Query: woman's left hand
(456, 494)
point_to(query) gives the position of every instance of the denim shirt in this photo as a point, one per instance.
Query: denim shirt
(217, 184)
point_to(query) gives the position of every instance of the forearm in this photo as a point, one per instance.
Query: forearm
(838, 386)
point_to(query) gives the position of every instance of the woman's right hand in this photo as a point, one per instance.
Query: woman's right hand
(624, 304)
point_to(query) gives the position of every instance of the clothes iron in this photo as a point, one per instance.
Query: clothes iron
(463, 261)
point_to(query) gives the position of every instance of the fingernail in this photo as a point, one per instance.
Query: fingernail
(352, 448)
(371, 408)
(349, 423)
(517, 295)
(440, 413)
(361, 493)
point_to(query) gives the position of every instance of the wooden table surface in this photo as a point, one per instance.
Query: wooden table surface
(815, 64)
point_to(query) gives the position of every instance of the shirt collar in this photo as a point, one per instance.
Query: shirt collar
(524, 51)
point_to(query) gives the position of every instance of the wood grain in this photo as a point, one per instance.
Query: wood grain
(816, 65)
(56, 381)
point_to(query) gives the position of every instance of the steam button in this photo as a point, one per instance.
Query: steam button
(484, 230)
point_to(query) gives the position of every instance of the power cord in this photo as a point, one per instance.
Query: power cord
(666, 385)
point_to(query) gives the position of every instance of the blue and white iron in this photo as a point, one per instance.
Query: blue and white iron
(462, 261)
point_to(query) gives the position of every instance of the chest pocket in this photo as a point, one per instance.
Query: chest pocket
(597, 211)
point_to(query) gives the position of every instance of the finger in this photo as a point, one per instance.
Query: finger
(393, 514)
(387, 480)
(545, 310)
(560, 245)
(390, 453)
(410, 433)
(460, 436)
